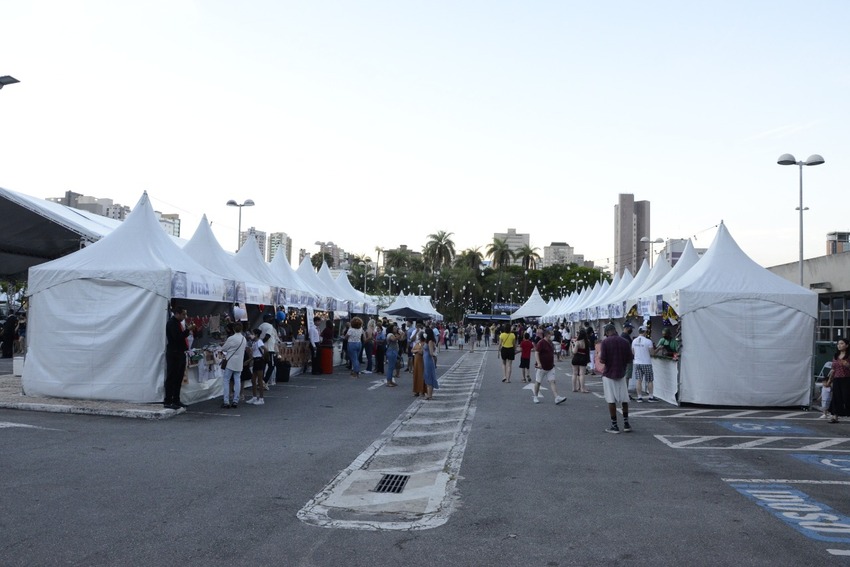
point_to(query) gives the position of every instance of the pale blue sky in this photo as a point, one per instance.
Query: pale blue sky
(377, 123)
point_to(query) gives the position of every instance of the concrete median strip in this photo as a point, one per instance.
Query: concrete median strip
(426, 443)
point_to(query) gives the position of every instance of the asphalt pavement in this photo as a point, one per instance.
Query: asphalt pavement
(525, 484)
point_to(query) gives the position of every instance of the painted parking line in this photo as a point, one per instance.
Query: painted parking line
(421, 450)
(10, 425)
(682, 413)
(763, 443)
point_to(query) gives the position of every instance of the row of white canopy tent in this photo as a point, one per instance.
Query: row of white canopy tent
(412, 307)
(747, 334)
(97, 316)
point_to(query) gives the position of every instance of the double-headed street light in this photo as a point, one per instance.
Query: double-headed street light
(788, 159)
(7, 80)
(247, 203)
(652, 244)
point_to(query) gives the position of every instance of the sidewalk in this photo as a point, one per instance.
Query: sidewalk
(12, 398)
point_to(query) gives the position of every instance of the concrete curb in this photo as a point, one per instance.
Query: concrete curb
(58, 408)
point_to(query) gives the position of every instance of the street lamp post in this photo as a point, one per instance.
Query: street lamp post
(652, 244)
(788, 159)
(247, 203)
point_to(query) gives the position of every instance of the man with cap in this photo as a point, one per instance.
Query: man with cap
(615, 354)
(641, 348)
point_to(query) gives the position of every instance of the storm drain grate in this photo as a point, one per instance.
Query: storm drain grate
(393, 483)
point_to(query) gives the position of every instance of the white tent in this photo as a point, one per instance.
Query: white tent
(296, 293)
(251, 260)
(746, 332)
(97, 317)
(205, 249)
(363, 303)
(535, 306)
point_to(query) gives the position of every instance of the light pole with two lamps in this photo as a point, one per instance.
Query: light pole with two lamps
(247, 203)
(788, 159)
(652, 244)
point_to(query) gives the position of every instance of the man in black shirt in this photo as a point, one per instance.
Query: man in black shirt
(175, 357)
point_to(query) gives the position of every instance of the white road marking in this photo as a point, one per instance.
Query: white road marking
(785, 481)
(415, 444)
(845, 552)
(377, 384)
(9, 425)
(735, 442)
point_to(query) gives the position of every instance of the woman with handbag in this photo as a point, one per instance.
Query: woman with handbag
(234, 354)
(391, 342)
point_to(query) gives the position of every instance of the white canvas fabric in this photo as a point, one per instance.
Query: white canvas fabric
(119, 286)
(746, 332)
(535, 306)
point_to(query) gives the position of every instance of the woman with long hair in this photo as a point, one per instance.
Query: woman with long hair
(581, 358)
(839, 406)
(507, 351)
(429, 359)
(355, 342)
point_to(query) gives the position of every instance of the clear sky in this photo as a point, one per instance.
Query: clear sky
(375, 123)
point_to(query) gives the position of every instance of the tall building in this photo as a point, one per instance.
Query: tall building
(170, 222)
(560, 253)
(515, 242)
(259, 235)
(336, 253)
(631, 223)
(280, 240)
(837, 243)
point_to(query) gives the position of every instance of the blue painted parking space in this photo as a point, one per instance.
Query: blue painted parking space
(764, 428)
(834, 463)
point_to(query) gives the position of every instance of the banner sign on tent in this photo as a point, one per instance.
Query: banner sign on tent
(645, 305)
(192, 286)
(603, 312)
(617, 310)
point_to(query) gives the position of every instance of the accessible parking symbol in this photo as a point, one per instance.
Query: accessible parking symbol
(770, 428)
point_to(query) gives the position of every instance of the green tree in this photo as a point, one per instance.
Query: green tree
(398, 259)
(319, 257)
(528, 256)
(439, 250)
(500, 253)
(470, 258)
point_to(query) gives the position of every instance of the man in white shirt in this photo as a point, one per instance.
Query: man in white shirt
(269, 337)
(641, 348)
(240, 315)
(315, 339)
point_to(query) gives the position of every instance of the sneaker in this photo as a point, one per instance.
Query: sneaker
(251, 401)
(535, 399)
(260, 402)
(560, 400)
(627, 428)
(833, 419)
(823, 416)
(651, 399)
(225, 405)
(640, 400)
(234, 404)
(613, 429)
(366, 372)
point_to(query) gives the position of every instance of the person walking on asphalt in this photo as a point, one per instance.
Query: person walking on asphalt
(544, 354)
(615, 354)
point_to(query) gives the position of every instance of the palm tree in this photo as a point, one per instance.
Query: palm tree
(470, 258)
(397, 258)
(500, 253)
(528, 256)
(440, 250)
